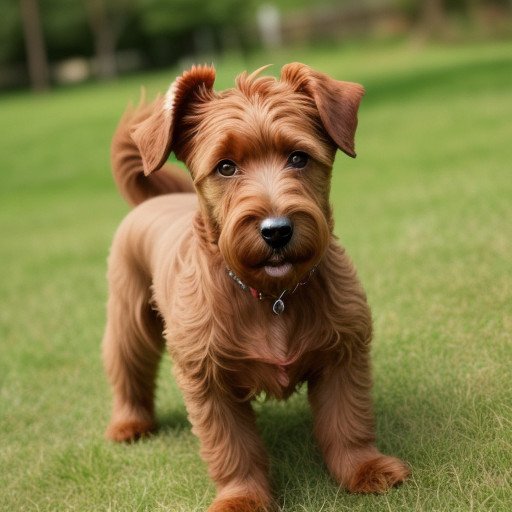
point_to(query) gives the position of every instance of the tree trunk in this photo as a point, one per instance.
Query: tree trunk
(104, 38)
(37, 60)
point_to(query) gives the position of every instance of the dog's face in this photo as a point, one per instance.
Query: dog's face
(260, 156)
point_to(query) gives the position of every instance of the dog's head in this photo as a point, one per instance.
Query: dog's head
(260, 155)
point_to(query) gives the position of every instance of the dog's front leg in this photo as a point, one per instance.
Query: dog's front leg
(230, 445)
(344, 427)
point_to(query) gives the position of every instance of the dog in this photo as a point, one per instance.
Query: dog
(236, 271)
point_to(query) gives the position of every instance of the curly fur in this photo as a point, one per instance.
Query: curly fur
(168, 283)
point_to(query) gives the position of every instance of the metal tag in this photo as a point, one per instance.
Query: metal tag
(278, 307)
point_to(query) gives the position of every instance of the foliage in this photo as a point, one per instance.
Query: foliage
(65, 28)
(161, 32)
(11, 43)
(68, 34)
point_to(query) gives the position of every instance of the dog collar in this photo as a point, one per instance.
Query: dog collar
(278, 305)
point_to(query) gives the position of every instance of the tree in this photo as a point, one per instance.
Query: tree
(37, 60)
(104, 38)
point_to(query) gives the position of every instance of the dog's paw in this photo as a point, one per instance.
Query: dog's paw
(129, 430)
(378, 474)
(238, 504)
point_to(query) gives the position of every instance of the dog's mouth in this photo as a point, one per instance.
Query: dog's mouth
(276, 266)
(279, 270)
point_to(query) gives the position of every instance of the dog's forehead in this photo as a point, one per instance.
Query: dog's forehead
(264, 93)
(259, 118)
(264, 115)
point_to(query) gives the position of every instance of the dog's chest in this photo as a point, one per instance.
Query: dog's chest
(269, 362)
(277, 340)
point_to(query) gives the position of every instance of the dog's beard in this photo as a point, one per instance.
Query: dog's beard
(273, 270)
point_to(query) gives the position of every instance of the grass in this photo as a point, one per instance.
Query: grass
(425, 212)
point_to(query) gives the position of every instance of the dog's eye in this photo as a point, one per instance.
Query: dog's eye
(226, 168)
(298, 160)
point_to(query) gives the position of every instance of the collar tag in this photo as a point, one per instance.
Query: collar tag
(278, 307)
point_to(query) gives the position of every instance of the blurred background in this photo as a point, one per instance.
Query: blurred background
(50, 42)
(425, 212)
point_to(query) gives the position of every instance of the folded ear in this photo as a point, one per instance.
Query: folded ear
(337, 102)
(156, 136)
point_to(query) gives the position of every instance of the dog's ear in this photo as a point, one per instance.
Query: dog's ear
(337, 102)
(155, 136)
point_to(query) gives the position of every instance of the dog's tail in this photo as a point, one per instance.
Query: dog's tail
(127, 168)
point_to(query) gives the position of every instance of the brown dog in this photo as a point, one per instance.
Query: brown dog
(243, 280)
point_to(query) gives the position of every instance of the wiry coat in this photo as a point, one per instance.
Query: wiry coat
(169, 283)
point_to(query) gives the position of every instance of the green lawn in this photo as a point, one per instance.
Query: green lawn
(426, 213)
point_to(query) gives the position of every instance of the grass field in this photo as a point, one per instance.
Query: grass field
(426, 213)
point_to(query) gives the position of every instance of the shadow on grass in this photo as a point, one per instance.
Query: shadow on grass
(429, 424)
(297, 472)
(173, 421)
(419, 424)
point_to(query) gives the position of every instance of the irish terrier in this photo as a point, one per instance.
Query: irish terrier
(240, 275)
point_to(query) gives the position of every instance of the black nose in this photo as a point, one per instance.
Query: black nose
(276, 231)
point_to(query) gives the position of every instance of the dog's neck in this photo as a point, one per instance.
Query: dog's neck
(209, 243)
(204, 233)
(278, 304)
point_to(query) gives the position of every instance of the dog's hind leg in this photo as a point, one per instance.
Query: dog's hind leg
(132, 347)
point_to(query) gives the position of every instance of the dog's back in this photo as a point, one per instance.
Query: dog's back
(127, 166)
